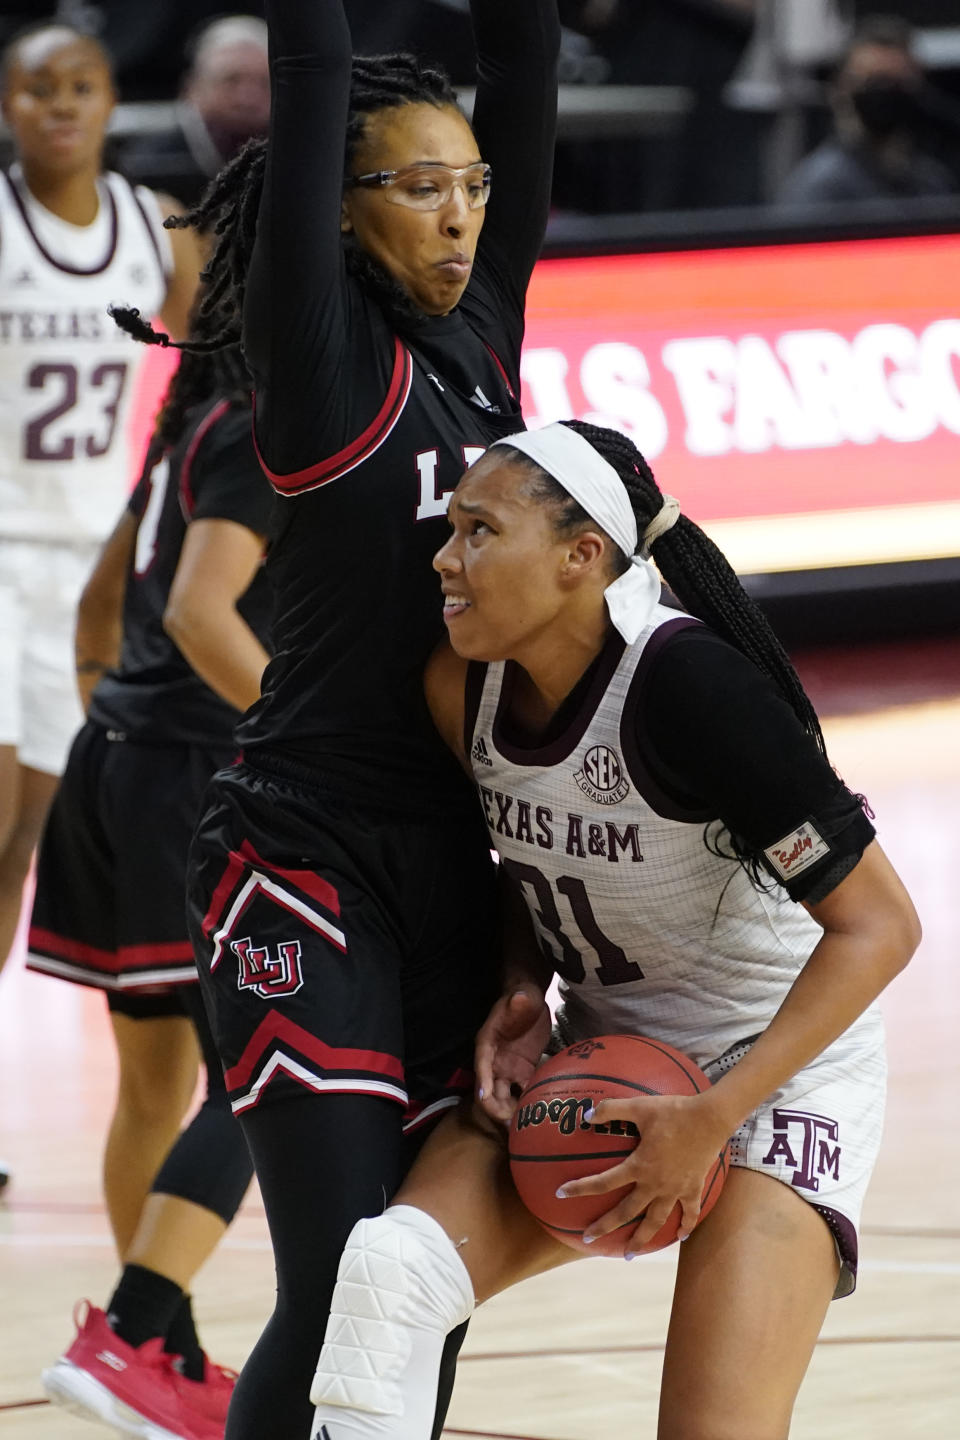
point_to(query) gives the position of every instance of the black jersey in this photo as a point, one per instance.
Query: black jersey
(365, 421)
(211, 473)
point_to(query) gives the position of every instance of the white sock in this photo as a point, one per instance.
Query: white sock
(401, 1288)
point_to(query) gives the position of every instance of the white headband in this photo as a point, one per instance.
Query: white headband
(596, 486)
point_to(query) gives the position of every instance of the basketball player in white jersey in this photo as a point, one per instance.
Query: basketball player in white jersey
(72, 241)
(656, 785)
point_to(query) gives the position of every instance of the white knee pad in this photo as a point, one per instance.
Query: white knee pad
(401, 1288)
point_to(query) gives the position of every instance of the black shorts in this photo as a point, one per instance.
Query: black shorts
(110, 903)
(341, 950)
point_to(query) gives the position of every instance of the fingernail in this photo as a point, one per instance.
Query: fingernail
(630, 1255)
(588, 1114)
(561, 1193)
(589, 1239)
(481, 1093)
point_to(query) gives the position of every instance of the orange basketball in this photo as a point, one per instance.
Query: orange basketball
(550, 1142)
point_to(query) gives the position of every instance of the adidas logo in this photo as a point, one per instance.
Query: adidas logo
(479, 753)
(480, 399)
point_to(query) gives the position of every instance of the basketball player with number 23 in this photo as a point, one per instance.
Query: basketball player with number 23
(73, 240)
(680, 852)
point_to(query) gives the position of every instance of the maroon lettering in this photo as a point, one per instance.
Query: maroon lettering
(35, 446)
(812, 1133)
(574, 844)
(544, 831)
(828, 1159)
(568, 962)
(110, 378)
(614, 967)
(63, 381)
(623, 840)
(504, 806)
(524, 831)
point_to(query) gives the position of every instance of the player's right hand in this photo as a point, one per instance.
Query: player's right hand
(509, 1048)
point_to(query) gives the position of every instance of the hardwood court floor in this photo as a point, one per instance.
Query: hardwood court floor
(576, 1355)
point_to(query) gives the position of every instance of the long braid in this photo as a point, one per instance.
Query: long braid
(198, 378)
(228, 209)
(697, 572)
(703, 581)
(207, 368)
(700, 575)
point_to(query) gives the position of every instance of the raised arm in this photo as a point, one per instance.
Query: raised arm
(295, 327)
(514, 119)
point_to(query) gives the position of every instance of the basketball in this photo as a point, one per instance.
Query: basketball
(550, 1142)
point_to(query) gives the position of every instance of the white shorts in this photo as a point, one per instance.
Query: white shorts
(40, 585)
(820, 1133)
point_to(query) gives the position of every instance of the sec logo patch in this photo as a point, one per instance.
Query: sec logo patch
(601, 776)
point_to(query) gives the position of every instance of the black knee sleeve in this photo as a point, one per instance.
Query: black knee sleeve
(209, 1163)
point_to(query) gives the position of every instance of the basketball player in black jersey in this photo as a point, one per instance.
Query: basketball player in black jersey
(342, 898)
(181, 584)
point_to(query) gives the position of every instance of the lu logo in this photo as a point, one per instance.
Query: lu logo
(268, 976)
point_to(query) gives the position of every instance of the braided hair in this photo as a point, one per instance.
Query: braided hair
(697, 572)
(203, 373)
(230, 205)
(702, 580)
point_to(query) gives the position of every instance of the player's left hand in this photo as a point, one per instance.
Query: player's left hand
(680, 1138)
(509, 1048)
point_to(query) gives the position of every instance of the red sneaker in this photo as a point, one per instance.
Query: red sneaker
(210, 1397)
(136, 1390)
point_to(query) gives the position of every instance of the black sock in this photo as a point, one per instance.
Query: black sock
(182, 1340)
(143, 1305)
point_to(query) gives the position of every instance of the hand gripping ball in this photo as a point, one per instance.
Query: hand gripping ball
(550, 1142)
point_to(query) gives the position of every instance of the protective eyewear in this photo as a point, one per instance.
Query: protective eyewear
(429, 187)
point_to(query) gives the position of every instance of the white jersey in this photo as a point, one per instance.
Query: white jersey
(67, 372)
(649, 931)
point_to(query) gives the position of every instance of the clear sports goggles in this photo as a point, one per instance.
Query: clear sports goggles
(429, 187)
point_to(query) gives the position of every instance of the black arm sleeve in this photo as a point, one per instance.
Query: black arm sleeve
(296, 320)
(514, 120)
(228, 481)
(722, 740)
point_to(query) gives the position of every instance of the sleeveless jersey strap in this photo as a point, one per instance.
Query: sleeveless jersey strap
(148, 205)
(472, 695)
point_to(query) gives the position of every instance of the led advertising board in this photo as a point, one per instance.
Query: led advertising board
(801, 401)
